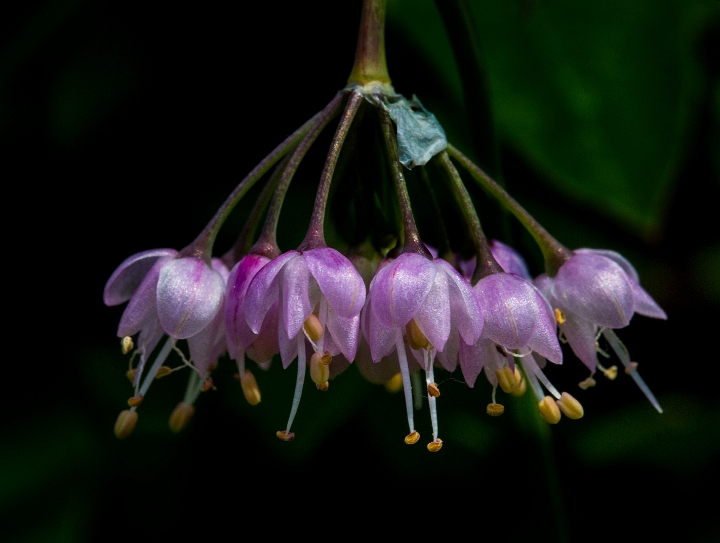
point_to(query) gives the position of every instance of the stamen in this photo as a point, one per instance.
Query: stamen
(610, 373)
(587, 383)
(126, 345)
(412, 438)
(287, 435)
(135, 400)
(559, 316)
(163, 371)
(634, 368)
(506, 379)
(570, 407)
(495, 409)
(130, 374)
(394, 384)
(207, 385)
(429, 357)
(537, 372)
(521, 383)
(532, 378)
(435, 446)
(549, 410)
(313, 328)
(181, 416)
(624, 357)
(250, 388)
(416, 338)
(125, 423)
(326, 358)
(324, 386)
(319, 372)
(433, 390)
(405, 373)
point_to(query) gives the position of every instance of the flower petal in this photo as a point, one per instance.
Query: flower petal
(400, 288)
(466, 313)
(433, 317)
(339, 281)
(239, 334)
(380, 338)
(127, 277)
(344, 332)
(595, 288)
(295, 304)
(264, 290)
(189, 295)
(143, 304)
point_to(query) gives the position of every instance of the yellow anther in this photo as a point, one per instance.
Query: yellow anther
(319, 372)
(412, 437)
(549, 410)
(506, 379)
(634, 366)
(250, 388)
(495, 409)
(416, 338)
(285, 435)
(326, 358)
(559, 316)
(207, 385)
(163, 371)
(521, 383)
(394, 384)
(324, 386)
(130, 374)
(313, 328)
(135, 400)
(611, 373)
(433, 390)
(181, 416)
(126, 344)
(125, 423)
(435, 446)
(570, 407)
(587, 383)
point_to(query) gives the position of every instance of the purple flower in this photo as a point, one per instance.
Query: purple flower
(319, 295)
(427, 303)
(594, 292)
(518, 321)
(508, 258)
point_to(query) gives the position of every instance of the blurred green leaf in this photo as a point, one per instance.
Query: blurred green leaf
(682, 440)
(597, 95)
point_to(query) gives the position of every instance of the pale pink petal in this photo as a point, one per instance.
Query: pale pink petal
(264, 290)
(127, 277)
(339, 281)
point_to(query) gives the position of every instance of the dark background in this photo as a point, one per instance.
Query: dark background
(123, 126)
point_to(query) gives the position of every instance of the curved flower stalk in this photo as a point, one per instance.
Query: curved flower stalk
(319, 295)
(594, 292)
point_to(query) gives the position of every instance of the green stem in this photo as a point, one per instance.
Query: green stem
(370, 65)
(444, 250)
(203, 244)
(553, 251)
(267, 243)
(485, 261)
(315, 236)
(245, 240)
(411, 242)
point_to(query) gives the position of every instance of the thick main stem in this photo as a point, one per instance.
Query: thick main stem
(485, 261)
(553, 251)
(315, 236)
(370, 65)
(412, 242)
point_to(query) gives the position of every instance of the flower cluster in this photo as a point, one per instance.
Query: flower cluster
(382, 300)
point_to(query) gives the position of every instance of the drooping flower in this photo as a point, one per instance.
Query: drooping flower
(319, 295)
(594, 292)
(427, 304)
